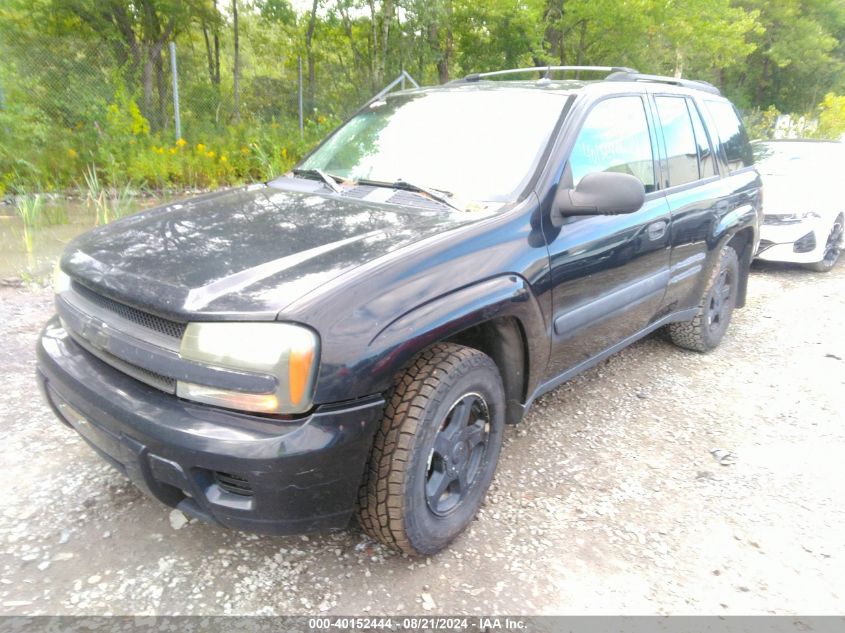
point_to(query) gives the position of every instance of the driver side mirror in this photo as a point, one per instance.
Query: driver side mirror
(599, 193)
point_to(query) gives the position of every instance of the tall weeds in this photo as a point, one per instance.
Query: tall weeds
(107, 204)
(29, 208)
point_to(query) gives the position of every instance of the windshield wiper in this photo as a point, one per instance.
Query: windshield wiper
(435, 194)
(330, 180)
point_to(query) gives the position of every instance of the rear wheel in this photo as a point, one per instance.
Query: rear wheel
(436, 452)
(707, 329)
(832, 248)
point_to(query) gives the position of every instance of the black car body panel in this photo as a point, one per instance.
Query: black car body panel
(378, 282)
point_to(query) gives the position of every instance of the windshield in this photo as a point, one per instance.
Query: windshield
(789, 157)
(476, 144)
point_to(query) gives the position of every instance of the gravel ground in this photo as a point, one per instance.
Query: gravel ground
(609, 497)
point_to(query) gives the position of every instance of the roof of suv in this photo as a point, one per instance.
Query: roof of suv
(616, 77)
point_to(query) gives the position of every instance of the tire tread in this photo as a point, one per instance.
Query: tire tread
(380, 508)
(691, 334)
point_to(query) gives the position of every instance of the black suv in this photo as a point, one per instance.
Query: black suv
(353, 336)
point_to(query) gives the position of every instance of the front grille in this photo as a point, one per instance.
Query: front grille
(781, 219)
(139, 317)
(151, 378)
(233, 483)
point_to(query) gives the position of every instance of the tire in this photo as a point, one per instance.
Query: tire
(449, 396)
(707, 329)
(832, 249)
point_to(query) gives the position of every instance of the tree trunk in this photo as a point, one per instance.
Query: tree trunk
(208, 54)
(310, 96)
(217, 58)
(582, 45)
(553, 34)
(212, 54)
(236, 66)
(162, 87)
(216, 49)
(347, 27)
(562, 42)
(132, 65)
(679, 63)
(761, 82)
(374, 76)
(147, 83)
(445, 60)
(386, 19)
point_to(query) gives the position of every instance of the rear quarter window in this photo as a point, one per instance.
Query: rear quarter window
(731, 134)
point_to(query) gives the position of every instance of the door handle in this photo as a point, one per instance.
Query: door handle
(656, 230)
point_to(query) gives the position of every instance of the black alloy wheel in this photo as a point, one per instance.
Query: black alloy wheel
(458, 451)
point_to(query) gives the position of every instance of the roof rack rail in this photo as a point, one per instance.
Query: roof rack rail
(547, 69)
(624, 75)
(617, 73)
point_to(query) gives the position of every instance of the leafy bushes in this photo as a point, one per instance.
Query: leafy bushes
(832, 116)
(41, 155)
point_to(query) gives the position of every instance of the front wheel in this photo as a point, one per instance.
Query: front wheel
(832, 248)
(707, 329)
(436, 451)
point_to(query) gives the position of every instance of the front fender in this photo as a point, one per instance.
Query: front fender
(436, 320)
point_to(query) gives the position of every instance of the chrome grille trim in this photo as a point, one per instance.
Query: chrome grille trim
(84, 301)
(163, 383)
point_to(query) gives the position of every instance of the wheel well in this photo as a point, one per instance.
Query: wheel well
(743, 244)
(503, 340)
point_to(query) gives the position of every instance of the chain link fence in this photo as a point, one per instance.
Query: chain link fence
(76, 88)
(67, 103)
(207, 99)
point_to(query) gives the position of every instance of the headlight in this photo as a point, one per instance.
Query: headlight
(289, 353)
(61, 280)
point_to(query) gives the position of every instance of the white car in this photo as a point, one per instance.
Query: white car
(804, 210)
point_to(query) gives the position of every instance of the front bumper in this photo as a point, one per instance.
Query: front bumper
(237, 470)
(778, 241)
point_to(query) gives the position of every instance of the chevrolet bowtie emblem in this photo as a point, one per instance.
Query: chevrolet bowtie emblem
(96, 334)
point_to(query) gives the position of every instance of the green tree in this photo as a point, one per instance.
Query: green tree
(831, 117)
(137, 32)
(798, 54)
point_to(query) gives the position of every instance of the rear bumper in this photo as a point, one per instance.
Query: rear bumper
(299, 475)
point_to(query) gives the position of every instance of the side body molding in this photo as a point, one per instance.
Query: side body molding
(570, 322)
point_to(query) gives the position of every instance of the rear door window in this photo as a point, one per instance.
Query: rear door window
(615, 137)
(732, 135)
(681, 148)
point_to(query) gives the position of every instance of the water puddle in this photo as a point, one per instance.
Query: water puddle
(48, 241)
